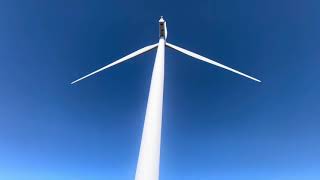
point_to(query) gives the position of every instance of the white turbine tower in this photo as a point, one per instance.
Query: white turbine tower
(149, 155)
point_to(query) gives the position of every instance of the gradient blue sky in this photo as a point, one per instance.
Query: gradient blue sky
(216, 125)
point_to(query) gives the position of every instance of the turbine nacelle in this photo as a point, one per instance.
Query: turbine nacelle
(163, 33)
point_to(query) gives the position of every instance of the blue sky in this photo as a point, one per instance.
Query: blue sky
(216, 125)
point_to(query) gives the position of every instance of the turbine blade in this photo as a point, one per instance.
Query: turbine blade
(127, 57)
(197, 56)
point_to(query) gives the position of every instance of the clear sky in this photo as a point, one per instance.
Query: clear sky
(216, 125)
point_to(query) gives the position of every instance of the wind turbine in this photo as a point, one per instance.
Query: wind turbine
(149, 155)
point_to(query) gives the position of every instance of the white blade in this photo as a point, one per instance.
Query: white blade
(197, 56)
(127, 57)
